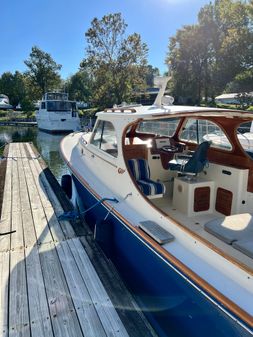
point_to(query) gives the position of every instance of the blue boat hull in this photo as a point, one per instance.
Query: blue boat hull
(174, 305)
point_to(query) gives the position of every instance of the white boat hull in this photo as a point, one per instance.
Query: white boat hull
(58, 123)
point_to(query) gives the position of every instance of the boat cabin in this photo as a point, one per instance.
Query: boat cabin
(191, 166)
(58, 102)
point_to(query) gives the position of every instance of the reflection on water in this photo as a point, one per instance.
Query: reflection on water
(47, 145)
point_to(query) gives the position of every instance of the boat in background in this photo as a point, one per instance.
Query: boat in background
(57, 113)
(172, 211)
(4, 102)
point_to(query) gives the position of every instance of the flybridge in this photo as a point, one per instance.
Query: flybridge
(58, 96)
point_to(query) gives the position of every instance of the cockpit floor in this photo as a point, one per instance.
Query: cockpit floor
(196, 225)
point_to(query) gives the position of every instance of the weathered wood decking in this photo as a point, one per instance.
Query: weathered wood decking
(49, 286)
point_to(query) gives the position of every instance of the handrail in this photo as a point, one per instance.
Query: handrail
(120, 110)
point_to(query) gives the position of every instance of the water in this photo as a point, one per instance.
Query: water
(47, 145)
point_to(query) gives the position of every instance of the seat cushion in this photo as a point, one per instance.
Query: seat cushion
(231, 228)
(139, 168)
(150, 187)
(244, 246)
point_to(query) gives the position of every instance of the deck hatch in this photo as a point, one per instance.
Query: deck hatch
(159, 234)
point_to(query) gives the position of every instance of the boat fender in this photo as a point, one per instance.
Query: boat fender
(66, 184)
(103, 234)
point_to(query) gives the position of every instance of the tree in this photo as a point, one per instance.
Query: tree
(206, 57)
(42, 72)
(243, 82)
(13, 85)
(116, 63)
(188, 62)
(151, 73)
(79, 86)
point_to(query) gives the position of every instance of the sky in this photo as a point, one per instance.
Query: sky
(58, 27)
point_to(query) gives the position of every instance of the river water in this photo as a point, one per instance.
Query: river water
(47, 145)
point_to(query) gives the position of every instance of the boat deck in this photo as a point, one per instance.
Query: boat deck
(49, 287)
(196, 226)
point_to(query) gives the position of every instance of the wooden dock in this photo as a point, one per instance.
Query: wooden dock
(17, 123)
(49, 286)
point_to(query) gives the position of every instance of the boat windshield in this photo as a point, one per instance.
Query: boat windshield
(161, 127)
(245, 137)
(61, 106)
(198, 131)
(57, 96)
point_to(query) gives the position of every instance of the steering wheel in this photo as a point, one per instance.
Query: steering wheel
(170, 148)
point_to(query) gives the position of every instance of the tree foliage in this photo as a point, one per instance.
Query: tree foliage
(79, 86)
(151, 73)
(13, 85)
(116, 62)
(207, 56)
(43, 72)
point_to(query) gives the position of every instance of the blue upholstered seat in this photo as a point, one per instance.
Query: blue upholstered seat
(193, 164)
(140, 171)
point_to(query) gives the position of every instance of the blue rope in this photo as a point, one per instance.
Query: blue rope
(73, 215)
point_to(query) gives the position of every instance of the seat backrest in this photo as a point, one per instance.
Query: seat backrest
(197, 162)
(139, 168)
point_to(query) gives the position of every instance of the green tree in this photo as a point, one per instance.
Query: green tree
(79, 86)
(188, 62)
(116, 62)
(151, 73)
(243, 82)
(43, 72)
(205, 57)
(13, 85)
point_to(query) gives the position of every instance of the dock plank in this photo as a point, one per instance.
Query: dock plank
(41, 228)
(65, 225)
(17, 240)
(6, 205)
(4, 281)
(5, 221)
(83, 303)
(62, 311)
(50, 193)
(15, 180)
(40, 321)
(37, 179)
(19, 323)
(106, 311)
(28, 229)
(24, 200)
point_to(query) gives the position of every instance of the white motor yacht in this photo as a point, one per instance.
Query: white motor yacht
(57, 113)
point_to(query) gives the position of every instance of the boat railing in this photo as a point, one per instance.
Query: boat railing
(132, 110)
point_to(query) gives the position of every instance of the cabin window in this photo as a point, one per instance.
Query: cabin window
(162, 127)
(200, 130)
(244, 135)
(43, 106)
(104, 137)
(59, 106)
